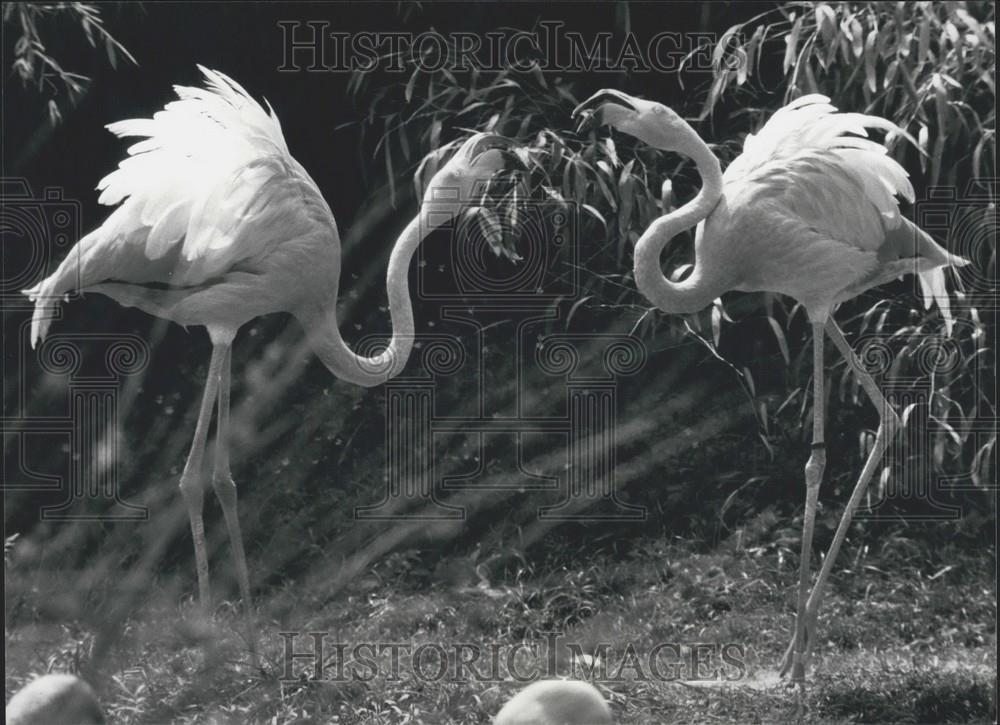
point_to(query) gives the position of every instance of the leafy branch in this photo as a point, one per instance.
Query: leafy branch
(37, 67)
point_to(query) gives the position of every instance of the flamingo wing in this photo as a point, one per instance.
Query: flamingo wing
(834, 188)
(821, 159)
(211, 188)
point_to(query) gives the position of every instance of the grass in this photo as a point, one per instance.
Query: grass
(909, 640)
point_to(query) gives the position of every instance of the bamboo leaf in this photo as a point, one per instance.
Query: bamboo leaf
(567, 179)
(716, 322)
(109, 49)
(922, 139)
(924, 42)
(753, 50)
(826, 20)
(574, 308)
(579, 181)
(390, 174)
(742, 70)
(977, 154)
(791, 46)
(723, 45)
(748, 376)
(525, 124)
(536, 71)
(679, 272)
(779, 335)
(605, 189)
(408, 92)
(596, 214)
(435, 135)
(951, 33)
(626, 192)
(716, 90)
(404, 142)
(492, 229)
(870, 57)
(857, 38)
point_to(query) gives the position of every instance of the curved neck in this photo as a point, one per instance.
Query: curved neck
(324, 332)
(705, 282)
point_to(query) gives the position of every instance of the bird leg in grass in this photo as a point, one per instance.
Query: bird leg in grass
(888, 426)
(813, 478)
(192, 487)
(225, 489)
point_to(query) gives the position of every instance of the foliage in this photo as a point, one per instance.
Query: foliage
(409, 121)
(8, 547)
(928, 66)
(33, 61)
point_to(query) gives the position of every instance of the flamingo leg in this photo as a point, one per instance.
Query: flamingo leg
(888, 425)
(813, 477)
(191, 484)
(225, 489)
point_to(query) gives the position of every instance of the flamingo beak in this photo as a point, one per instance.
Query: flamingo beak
(603, 107)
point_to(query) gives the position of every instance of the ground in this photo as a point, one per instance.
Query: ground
(907, 635)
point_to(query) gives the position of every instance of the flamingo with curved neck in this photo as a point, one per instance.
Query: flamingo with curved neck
(808, 210)
(216, 224)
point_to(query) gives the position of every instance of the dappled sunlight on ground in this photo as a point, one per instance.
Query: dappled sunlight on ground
(173, 665)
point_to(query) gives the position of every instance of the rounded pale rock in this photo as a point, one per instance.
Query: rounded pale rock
(556, 702)
(56, 699)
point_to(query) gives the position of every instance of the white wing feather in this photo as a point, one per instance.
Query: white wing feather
(838, 183)
(811, 128)
(210, 185)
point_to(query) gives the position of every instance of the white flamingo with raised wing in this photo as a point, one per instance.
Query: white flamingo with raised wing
(218, 224)
(808, 210)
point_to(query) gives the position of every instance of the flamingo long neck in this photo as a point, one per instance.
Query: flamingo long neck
(329, 345)
(705, 282)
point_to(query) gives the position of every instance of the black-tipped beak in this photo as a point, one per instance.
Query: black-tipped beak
(608, 95)
(594, 111)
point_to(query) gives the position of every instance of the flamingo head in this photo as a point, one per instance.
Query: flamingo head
(649, 121)
(456, 185)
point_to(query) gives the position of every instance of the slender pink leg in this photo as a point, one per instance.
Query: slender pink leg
(191, 482)
(887, 429)
(813, 478)
(225, 489)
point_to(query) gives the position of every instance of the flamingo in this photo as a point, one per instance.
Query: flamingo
(556, 702)
(218, 224)
(63, 699)
(808, 210)
(54, 699)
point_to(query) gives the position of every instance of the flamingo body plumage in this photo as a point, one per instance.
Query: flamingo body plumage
(54, 699)
(809, 210)
(216, 224)
(811, 193)
(211, 208)
(556, 702)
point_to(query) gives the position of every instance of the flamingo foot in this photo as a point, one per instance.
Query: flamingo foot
(788, 661)
(797, 665)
